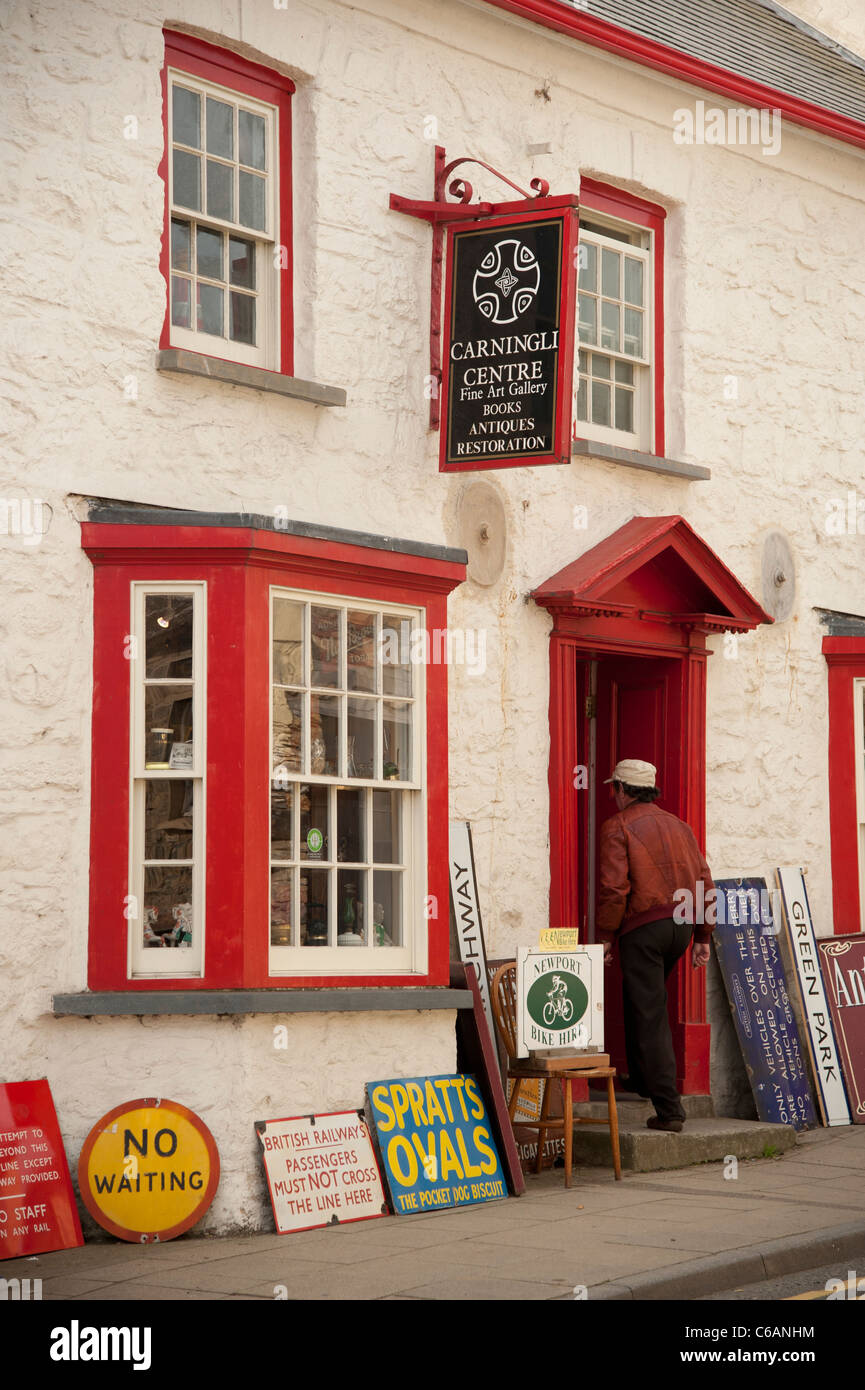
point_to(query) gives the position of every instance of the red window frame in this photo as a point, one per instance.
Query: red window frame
(239, 565)
(627, 207)
(845, 657)
(228, 69)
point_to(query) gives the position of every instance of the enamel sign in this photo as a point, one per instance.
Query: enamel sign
(321, 1170)
(37, 1204)
(560, 1000)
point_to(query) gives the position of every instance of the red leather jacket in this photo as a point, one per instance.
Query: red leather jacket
(647, 856)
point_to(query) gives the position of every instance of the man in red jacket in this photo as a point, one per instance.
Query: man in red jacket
(647, 858)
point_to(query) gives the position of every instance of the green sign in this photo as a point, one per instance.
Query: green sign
(557, 1000)
(314, 841)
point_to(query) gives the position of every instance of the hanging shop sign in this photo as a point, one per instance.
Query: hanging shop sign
(466, 911)
(436, 1142)
(560, 1000)
(37, 1204)
(148, 1171)
(746, 943)
(508, 352)
(820, 1035)
(321, 1170)
(842, 959)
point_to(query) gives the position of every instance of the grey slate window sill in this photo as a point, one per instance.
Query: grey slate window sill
(259, 1001)
(237, 374)
(632, 458)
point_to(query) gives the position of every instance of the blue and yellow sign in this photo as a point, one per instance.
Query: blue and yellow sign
(436, 1142)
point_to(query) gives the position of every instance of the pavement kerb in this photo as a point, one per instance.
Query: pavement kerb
(734, 1268)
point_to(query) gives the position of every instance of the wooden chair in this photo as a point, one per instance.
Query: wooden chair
(503, 994)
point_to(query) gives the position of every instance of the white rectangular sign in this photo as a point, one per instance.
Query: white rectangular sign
(560, 1000)
(824, 1053)
(467, 912)
(321, 1169)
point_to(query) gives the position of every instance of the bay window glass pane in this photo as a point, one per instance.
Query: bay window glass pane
(386, 842)
(210, 309)
(610, 329)
(386, 908)
(167, 818)
(287, 732)
(350, 824)
(181, 253)
(220, 190)
(361, 650)
(242, 324)
(324, 721)
(251, 197)
(250, 139)
(588, 319)
(396, 742)
(187, 180)
(624, 409)
(181, 301)
(281, 892)
(349, 904)
(600, 366)
(583, 360)
(581, 400)
(587, 259)
(625, 373)
(186, 117)
(314, 900)
(633, 280)
(396, 637)
(241, 262)
(610, 261)
(220, 128)
(209, 254)
(600, 403)
(168, 906)
(633, 332)
(361, 738)
(314, 839)
(281, 822)
(167, 726)
(287, 642)
(325, 646)
(168, 636)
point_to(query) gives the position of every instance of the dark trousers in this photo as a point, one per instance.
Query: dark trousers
(647, 955)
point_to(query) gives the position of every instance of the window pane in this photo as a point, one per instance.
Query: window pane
(287, 642)
(386, 827)
(633, 280)
(167, 819)
(587, 257)
(386, 908)
(396, 635)
(281, 828)
(251, 212)
(250, 139)
(350, 803)
(624, 409)
(600, 366)
(633, 332)
(168, 636)
(361, 738)
(324, 735)
(180, 248)
(583, 360)
(287, 731)
(349, 902)
(600, 403)
(610, 264)
(220, 128)
(396, 739)
(220, 190)
(610, 326)
(210, 310)
(581, 400)
(588, 319)
(187, 180)
(625, 373)
(242, 325)
(186, 117)
(168, 906)
(241, 260)
(167, 725)
(361, 650)
(325, 634)
(281, 884)
(314, 841)
(313, 907)
(180, 301)
(209, 254)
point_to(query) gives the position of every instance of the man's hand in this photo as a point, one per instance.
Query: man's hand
(608, 953)
(700, 954)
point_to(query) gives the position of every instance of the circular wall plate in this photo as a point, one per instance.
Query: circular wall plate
(483, 531)
(778, 577)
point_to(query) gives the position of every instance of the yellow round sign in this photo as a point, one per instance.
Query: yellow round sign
(149, 1170)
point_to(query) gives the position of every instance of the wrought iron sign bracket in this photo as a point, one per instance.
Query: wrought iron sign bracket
(440, 211)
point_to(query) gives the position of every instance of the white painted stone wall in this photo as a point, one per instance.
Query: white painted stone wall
(765, 284)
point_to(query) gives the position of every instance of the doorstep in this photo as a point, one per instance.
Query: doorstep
(705, 1139)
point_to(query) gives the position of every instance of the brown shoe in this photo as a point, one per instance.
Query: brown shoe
(674, 1126)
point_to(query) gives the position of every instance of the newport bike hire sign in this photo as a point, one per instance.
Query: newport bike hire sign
(560, 1000)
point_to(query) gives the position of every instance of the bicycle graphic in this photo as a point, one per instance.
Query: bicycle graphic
(558, 1004)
